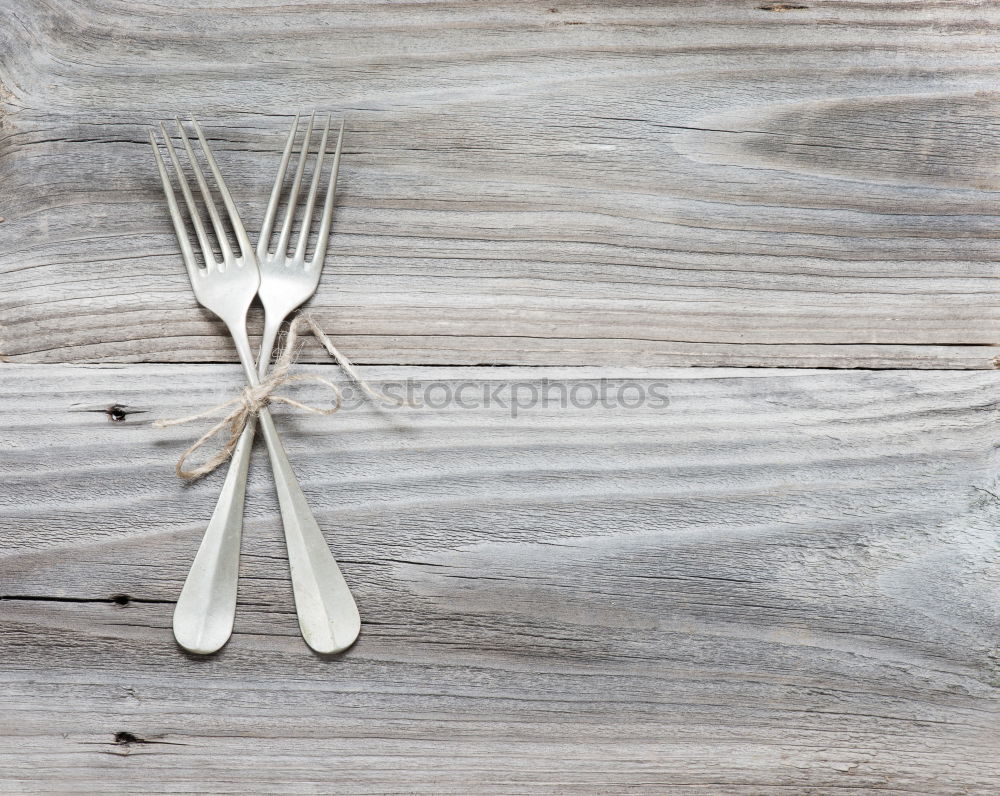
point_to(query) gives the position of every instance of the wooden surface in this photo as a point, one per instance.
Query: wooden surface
(643, 183)
(778, 583)
(781, 582)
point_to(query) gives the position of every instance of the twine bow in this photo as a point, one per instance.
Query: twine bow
(245, 406)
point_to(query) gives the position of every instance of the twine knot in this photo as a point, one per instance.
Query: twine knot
(245, 407)
(256, 398)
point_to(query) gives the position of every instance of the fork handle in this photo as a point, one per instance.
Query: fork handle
(206, 607)
(328, 615)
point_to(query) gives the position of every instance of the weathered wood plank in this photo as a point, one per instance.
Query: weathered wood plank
(778, 583)
(693, 183)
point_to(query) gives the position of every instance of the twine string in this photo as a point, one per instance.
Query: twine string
(244, 408)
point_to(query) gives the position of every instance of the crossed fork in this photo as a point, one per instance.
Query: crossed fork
(205, 611)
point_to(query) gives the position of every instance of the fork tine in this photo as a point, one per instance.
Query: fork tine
(331, 192)
(300, 250)
(213, 211)
(286, 227)
(264, 241)
(199, 227)
(227, 198)
(175, 214)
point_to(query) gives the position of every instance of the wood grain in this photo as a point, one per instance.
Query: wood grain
(644, 183)
(777, 583)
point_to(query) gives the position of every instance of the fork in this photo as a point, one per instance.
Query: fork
(205, 611)
(203, 619)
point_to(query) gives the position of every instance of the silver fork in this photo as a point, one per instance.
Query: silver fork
(203, 618)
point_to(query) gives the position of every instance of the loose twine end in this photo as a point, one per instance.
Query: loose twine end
(244, 408)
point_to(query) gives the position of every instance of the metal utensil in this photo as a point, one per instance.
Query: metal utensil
(203, 618)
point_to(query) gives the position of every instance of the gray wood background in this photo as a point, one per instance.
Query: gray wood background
(656, 183)
(784, 581)
(778, 583)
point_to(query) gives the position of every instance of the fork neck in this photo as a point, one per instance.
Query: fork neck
(238, 331)
(272, 323)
